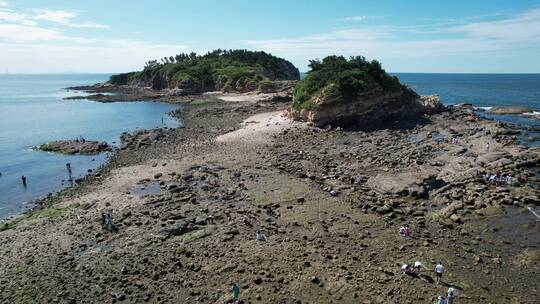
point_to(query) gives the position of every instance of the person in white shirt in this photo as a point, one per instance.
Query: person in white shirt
(417, 267)
(439, 270)
(407, 269)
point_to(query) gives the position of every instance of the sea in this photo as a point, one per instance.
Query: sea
(33, 111)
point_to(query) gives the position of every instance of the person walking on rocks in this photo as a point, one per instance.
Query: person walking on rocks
(439, 270)
(260, 236)
(440, 300)
(235, 293)
(451, 295)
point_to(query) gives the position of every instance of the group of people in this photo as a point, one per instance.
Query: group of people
(412, 268)
(451, 297)
(405, 231)
(498, 178)
(68, 168)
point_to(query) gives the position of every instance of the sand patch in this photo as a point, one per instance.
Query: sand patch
(259, 128)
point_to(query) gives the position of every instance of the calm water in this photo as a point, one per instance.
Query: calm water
(33, 112)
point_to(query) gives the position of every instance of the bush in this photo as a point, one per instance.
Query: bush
(346, 79)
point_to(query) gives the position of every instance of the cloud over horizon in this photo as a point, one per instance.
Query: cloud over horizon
(466, 36)
(35, 39)
(29, 46)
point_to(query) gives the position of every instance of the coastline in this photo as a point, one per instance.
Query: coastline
(292, 170)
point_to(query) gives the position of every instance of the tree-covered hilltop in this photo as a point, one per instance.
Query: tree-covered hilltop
(338, 78)
(223, 70)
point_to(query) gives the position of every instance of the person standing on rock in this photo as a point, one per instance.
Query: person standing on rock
(487, 147)
(235, 293)
(417, 267)
(451, 295)
(439, 270)
(260, 236)
(68, 168)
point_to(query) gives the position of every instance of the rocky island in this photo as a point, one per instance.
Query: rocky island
(237, 71)
(87, 147)
(355, 91)
(328, 178)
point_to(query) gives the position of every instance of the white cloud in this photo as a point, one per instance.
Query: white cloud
(4, 4)
(102, 56)
(58, 17)
(354, 18)
(23, 33)
(387, 43)
(524, 27)
(64, 18)
(7, 15)
(39, 40)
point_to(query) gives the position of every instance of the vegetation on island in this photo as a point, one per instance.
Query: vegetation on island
(224, 70)
(336, 77)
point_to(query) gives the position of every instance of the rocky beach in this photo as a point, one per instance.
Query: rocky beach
(187, 203)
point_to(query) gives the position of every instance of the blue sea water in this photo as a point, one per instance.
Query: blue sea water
(482, 90)
(33, 112)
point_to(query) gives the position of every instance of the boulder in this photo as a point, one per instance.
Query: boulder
(414, 183)
(511, 110)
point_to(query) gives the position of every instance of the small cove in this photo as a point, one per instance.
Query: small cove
(33, 112)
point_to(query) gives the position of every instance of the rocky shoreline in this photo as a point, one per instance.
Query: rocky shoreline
(330, 201)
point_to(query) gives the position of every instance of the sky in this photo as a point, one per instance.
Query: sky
(460, 36)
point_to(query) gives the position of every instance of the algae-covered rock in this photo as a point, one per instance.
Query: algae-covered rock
(75, 147)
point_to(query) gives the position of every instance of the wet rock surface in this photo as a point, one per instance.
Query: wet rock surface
(78, 146)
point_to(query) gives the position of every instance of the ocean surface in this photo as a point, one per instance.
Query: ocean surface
(33, 112)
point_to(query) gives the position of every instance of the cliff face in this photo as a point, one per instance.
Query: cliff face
(374, 107)
(235, 70)
(368, 109)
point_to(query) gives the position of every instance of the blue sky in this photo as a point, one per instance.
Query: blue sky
(406, 36)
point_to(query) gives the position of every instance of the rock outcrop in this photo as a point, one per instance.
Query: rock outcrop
(356, 91)
(511, 110)
(75, 147)
(374, 107)
(141, 138)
